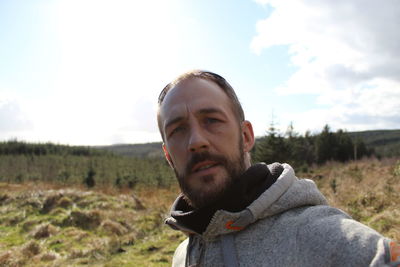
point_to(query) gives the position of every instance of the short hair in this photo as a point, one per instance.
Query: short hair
(206, 75)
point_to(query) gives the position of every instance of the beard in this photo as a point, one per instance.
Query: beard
(199, 197)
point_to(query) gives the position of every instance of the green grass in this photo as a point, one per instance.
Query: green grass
(11, 236)
(155, 250)
(81, 228)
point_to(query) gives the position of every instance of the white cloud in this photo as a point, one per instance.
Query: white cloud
(346, 52)
(13, 118)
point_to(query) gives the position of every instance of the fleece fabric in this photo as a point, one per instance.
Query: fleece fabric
(290, 224)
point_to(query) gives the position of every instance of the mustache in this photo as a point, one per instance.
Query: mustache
(202, 156)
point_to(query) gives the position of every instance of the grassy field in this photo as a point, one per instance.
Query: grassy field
(48, 225)
(368, 190)
(42, 225)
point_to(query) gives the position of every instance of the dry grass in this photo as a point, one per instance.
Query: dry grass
(48, 225)
(369, 190)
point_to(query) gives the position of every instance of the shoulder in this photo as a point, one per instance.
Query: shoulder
(328, 221)
(180, 254)
(332, 235)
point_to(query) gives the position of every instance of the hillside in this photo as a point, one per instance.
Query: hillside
(386, 143)
(151, 150)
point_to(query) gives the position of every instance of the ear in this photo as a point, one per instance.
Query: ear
(167, 156)
(248, 136)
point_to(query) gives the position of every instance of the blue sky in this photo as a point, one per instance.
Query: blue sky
(89, 72)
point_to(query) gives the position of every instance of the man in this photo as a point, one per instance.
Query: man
(238, 214)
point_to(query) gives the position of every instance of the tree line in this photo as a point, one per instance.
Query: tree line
(15, 147)
(305, 150)
(21, 161)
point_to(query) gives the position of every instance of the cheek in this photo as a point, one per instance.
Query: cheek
(219, 129)
(177, 156)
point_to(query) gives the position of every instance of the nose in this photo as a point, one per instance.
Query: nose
(197, 141)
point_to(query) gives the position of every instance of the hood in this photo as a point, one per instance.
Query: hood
(288, 192)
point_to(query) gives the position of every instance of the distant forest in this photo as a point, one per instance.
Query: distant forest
(385, 143)
(305, 150)
(21, 161)
(134, 165)
(379, 143)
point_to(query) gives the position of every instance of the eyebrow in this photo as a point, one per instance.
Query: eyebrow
(173, 121)
(201, 111)
(210, 110)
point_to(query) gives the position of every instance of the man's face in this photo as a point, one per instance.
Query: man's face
(203, 140)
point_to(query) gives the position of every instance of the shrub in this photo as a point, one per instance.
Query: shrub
(85, 220)
(89, 180)
(113, 227)
(44, 231)
(50, 202)
(30, 249)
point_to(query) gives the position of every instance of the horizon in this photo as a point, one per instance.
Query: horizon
(89, 72)
(156, 142)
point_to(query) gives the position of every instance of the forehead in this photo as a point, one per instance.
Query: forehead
(192, 95)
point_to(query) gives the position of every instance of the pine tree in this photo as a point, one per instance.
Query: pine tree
(271, 148)
(325, 145)
(89, 179)
(344, 150)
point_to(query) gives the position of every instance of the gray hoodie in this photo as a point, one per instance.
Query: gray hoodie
(290, 224)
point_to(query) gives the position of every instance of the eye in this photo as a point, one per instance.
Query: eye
(211, 120)
(176, 130)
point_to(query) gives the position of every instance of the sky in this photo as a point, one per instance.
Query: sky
(88, 72)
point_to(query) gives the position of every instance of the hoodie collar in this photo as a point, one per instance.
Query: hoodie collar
(288, 192)
(251, 184)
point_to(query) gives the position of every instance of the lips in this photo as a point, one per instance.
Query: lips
(203, 162)
(204, 165)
